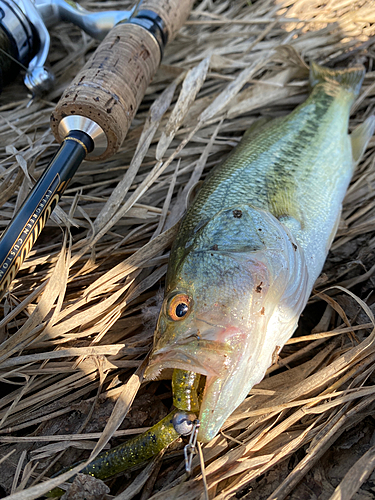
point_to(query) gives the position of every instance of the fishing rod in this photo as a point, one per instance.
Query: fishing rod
(94, 113)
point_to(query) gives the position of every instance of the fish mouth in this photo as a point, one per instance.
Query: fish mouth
(209, 362)
(162, 361)
(177, 358)
(215, 360)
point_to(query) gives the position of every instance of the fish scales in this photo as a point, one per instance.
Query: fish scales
(285, 173)
(253, 243)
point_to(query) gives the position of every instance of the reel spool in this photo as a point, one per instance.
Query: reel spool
(18, 41)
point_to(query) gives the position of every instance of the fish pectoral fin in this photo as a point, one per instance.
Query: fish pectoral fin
(360, 137)
(284, 207)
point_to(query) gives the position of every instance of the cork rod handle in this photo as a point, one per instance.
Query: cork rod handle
(111, 85)
(173, 12)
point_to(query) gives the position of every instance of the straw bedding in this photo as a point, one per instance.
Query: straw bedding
(78, 321)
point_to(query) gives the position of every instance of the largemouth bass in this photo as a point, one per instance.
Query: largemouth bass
(253, 242)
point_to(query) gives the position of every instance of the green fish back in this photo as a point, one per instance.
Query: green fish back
(294, 166)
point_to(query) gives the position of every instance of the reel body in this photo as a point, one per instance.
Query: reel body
(25, 40)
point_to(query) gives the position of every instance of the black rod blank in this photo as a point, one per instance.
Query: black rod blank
(22, 232)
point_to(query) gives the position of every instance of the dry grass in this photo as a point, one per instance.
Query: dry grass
(79, 318)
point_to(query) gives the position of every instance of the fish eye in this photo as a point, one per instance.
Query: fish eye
(179, 306)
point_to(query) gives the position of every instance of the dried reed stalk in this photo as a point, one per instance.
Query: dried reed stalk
(79, 318)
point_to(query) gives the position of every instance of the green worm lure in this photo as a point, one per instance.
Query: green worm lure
(139, 449)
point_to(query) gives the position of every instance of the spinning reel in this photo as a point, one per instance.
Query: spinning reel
(25, 40)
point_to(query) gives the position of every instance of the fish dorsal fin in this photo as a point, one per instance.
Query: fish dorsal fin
(256, 126)
(360, 138)
(193, 193)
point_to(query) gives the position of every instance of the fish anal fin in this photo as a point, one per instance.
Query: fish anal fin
(334, 231)
(360, 138)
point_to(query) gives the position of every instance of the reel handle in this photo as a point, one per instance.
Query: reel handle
(111, 85)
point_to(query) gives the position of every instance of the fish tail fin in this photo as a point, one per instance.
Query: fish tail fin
(350, 78)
